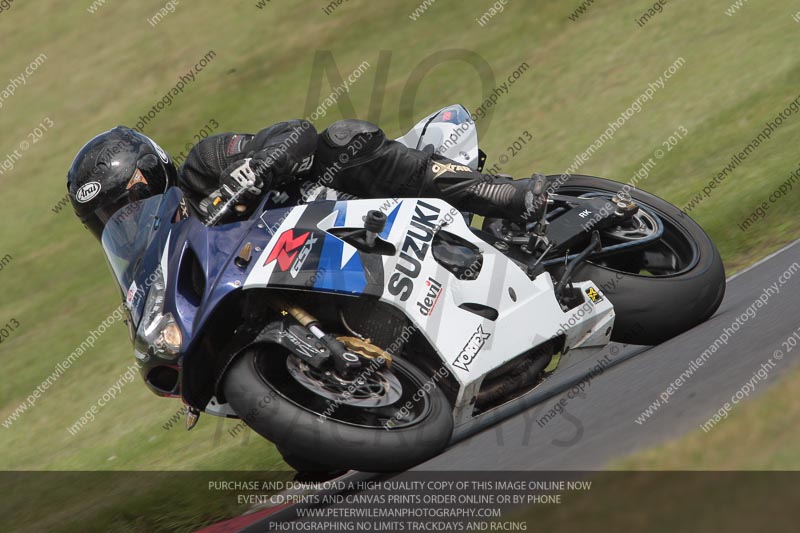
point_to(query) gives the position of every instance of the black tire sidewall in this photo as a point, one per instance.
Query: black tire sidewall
(329, 443)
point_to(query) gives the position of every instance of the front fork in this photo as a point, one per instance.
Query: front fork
(344, 361)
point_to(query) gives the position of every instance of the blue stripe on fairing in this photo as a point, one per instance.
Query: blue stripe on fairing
(390, 220)
(340, 214)
(330, 274)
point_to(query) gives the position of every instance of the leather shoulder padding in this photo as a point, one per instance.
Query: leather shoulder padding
(341, 133)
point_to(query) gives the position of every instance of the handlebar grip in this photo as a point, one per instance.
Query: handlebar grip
(214, 199)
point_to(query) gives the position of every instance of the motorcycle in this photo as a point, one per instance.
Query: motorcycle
(369, 334)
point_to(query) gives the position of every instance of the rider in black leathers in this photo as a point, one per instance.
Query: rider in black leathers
(352, 156)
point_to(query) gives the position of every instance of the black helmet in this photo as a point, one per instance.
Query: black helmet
(114, 169)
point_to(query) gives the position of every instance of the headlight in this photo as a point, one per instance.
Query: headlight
(158, 334)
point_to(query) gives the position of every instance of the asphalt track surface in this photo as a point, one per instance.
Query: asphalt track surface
(601, 426)
(599, 423)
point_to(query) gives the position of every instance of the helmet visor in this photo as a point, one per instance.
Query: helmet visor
(96, 220)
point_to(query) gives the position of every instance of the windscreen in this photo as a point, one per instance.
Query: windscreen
(127, 235)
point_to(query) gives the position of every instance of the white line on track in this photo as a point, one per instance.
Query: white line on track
(764, 260)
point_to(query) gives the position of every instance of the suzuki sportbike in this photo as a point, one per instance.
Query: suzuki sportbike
(368, 334)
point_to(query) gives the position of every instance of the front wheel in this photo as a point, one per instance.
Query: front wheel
(380, 420)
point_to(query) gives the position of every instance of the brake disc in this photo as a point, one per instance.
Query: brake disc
(374, 385)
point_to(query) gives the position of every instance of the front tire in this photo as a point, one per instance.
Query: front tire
(269, 399)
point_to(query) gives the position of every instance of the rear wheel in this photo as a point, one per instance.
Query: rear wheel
(659, 289)
(380, 420)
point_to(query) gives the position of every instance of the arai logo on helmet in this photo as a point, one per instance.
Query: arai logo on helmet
(88, 191)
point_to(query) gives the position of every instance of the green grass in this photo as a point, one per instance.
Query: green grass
(111, 67)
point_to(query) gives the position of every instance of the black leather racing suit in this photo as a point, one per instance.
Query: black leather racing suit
(355, 157)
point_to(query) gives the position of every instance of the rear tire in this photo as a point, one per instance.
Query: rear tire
(653, 309)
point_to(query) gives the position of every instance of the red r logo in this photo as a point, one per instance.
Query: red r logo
(286, 243)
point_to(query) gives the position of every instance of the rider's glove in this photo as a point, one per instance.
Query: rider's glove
(244, 180)
(247, 178)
